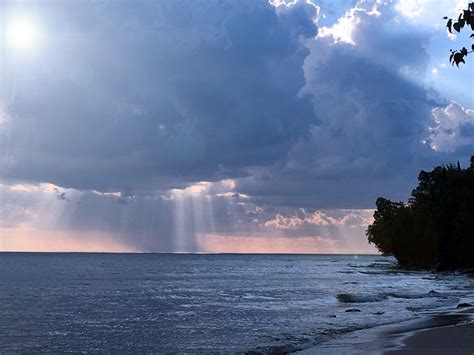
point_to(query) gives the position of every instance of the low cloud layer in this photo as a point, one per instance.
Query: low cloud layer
(197, 219)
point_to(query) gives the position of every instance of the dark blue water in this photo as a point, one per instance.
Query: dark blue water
(205, 303)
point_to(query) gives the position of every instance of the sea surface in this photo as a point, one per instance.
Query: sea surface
(206, 303)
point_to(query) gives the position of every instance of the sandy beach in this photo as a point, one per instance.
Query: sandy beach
(438, 334)
(453, 339)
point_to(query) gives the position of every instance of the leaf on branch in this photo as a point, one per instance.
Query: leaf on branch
(448, 25)
(467, 16)
(458, 58)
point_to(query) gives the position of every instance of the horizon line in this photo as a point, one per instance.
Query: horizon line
(176, 253)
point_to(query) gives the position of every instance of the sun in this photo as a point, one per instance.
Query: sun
(22, 33)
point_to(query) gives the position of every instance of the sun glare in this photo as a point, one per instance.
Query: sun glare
(22, 33)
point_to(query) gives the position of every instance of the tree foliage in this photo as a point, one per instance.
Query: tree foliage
(435, 228)
(465, 18)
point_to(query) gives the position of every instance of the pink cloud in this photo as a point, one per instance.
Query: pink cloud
(27, 240)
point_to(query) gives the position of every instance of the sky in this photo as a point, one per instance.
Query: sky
(221, 126)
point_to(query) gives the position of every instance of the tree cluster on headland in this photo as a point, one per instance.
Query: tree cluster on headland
(435, 228)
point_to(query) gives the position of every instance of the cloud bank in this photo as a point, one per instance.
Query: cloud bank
(212, 125)
(159, 94)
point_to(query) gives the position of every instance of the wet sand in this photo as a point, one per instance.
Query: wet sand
(439, 334)
(453, 339)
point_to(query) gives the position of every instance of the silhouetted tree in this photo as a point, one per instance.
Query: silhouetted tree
(436, 227)
(465, 18)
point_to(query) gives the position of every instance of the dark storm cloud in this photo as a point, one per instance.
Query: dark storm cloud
(157, 94)
(144, 98)
(373, 117)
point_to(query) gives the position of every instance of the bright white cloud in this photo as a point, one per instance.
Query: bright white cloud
(337, 218)
(428, 12)
(454, 127)
(282, 222)
(342, 30)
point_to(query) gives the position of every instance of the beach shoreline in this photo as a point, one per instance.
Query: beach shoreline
(450, 332)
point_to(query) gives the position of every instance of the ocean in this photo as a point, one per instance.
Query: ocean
(76, 302)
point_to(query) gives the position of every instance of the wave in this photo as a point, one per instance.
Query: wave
(360, 298)
(432, 293)
(368, 297)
